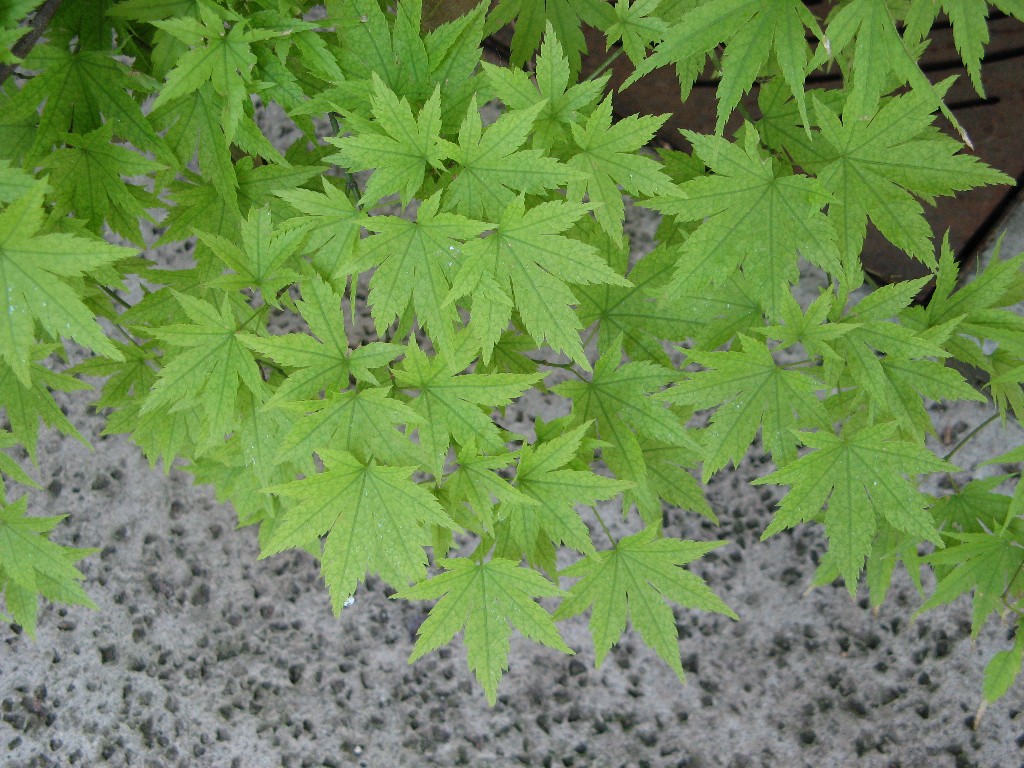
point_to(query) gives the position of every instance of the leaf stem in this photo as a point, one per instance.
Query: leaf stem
(564, 366)
(607, 532)
(970, 435)
(609, 60)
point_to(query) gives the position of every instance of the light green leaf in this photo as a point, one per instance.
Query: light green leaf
(492, 167)
(456, 407)
(632, 582)
(850, 480)
(33, 272)
(606, 157)
(375, 518)
(400, 151)
(486, 599)
(32, 565)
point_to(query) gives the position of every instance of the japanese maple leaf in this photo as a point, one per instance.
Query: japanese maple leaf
(397, 146)
(415, 263)
(225, 60)
(565, 17)
(26, 403)
(33, 269)
(207, 370)
(606, 157)
(850, 480)
(362, 422)
(618, 399)
(632, 582)
(323, 361)
(636, 27)
(486, 599)
(261, 260)
(31, 565)
(72, 86)
(331, 224)
(457, 406)
(751, 31)
(635, 313)
(751, 392)
(554, 490)
(559, 103)
(879, 56)
(87, 178)
(527, 258)
(751, 215)
(492, 167)
(874, 169)
(476, 482)
(375, 517)
(374, 40)
(985, 564)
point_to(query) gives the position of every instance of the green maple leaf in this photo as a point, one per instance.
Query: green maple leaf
(487, 599)
(33, 272)
(375, 518)
(261, 260)
(26, 402)
(361, 422)
(850, 481)
(397, 146)
(636, 28)
(986, 564)
(970, 30)
(981, 309)
(492, 167)
(751, 31)
(751, 392)
(10, 468)
(415, 263)
(752, 215)
(606, 157)
(879, 54)
(87, 179)
(618, 400)
(892, 386)
(322, 362)
(391, 43)
(205, 374)
(192, 126)
(668, 478)
(14, 182)
(549, 515)
(631, 582)
(566, 19)
(72, 86)
(225, 60)
(331, 224)
(475, 482)
(457, 407)
(635, 313)
(873, 168)
(214, 204)
(528, 258)
(1002, 669)
(32, 565)
(559, 103)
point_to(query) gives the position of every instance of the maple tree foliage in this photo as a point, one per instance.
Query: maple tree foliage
(441, 238)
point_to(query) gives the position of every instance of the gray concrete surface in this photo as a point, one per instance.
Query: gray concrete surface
(202, 656)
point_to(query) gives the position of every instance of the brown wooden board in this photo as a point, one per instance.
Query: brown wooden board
(993, 123)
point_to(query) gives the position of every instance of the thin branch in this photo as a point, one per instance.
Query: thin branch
(22, 48)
